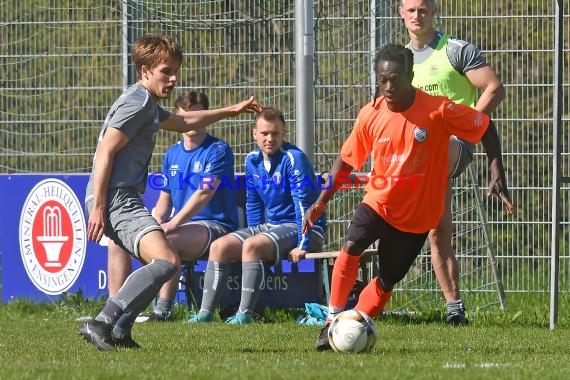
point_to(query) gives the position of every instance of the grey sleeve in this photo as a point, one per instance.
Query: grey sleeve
(464, 56)
(129, 117)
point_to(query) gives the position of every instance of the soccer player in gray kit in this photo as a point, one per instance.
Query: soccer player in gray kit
(119, 177)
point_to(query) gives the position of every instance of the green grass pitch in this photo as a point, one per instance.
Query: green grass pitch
(42, 342)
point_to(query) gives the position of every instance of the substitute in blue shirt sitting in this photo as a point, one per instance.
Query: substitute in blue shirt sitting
(281, 185)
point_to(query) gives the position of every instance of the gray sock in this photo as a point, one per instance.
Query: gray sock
(455, 306)
(215, 281)
(252, 278)
(163, 306)
(111, 313)
(124, 325)
(142, 285)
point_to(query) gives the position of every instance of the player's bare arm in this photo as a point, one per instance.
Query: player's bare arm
(498, 183)
(183, 121)
(195, 203)
(163, 207)
(317, 208)
(113, 141)
(490, 86)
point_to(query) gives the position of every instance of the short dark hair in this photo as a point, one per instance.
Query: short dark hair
(271, 114)
(187, 99)
(395, 53)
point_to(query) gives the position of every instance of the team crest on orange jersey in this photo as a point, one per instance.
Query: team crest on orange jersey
(420, 134)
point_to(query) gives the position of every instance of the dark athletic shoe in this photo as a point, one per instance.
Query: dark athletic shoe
(126, 342)
(456, 318)
(98, 334)
(323, 340)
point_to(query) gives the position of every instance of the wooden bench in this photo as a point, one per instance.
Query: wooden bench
(367, 266)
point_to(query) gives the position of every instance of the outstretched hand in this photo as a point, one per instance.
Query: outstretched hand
(312, 215)
(247, 106)
(498, 187)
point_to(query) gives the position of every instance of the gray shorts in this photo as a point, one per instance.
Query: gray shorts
(215, 231)
(128, 220)
(283, 236)
(466, 150)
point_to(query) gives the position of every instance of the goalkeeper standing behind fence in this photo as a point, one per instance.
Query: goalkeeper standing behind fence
(444, 65)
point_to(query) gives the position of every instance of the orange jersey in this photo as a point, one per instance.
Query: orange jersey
(410, 153)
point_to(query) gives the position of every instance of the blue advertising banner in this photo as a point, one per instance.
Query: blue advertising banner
(44, 251)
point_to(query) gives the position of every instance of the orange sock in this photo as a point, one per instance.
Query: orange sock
(372, 299)
(344, 275)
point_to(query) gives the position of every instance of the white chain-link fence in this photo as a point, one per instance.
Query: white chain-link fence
(62, 67)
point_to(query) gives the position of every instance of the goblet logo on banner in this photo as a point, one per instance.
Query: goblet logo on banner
(52, 239)
(52, 233)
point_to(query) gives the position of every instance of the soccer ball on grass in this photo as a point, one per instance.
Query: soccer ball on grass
(352, 331)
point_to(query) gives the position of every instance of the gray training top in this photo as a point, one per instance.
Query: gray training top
(136, 114)
(462, 55)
